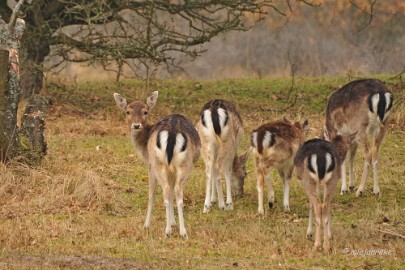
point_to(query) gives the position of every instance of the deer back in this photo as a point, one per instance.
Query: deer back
(219, 120)
(359, 106)
(318, 160)
(173, 141)
(278, 140)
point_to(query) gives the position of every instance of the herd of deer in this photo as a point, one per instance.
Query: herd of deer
(356, 115)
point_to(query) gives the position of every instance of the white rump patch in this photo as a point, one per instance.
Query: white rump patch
(374, 102)
(222, 117)
(328, 158)
(163, 137)
(254, 139)
(267, 139)
(314, 166)
(388, 100)
(208, 119)
(180, 141)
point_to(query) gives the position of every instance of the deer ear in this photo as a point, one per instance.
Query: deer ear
(305, 126)
(326, 133)
(152, 99)
(243, 158)
(121, 101)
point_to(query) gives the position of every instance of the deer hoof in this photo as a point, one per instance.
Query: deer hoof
(168, 231)
(270, 205)
(229, 206)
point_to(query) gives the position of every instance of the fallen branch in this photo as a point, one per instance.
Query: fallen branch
(392, 233)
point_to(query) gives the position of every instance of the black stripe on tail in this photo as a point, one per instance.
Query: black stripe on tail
(215, 122)
(171, 143)
(321, 165)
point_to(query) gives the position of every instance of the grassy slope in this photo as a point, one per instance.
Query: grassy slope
(83, 202)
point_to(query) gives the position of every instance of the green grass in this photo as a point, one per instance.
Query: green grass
(83, 208)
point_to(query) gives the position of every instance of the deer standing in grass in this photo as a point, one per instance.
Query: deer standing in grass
(169, 148)
(274, 146)
(220, 128)
(364, 106)
(318, 163)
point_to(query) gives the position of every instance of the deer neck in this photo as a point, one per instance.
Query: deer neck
(140, 139)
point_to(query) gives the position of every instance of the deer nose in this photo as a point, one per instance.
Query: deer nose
(136, 126)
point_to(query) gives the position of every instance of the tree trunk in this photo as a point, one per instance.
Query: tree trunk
(32, 59)
(9, 98)
(31, 78)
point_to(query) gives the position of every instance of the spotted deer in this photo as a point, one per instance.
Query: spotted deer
(169, 148)
(318, 165)
(220, 128)
(364, 106)
(274, 146)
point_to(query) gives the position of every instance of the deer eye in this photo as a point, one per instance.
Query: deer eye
(145, 113)
(128, 112)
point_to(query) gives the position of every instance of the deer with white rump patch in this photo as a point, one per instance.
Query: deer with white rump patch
(364, 106)
(274, 146)
(220, 128)
(318, 163)
(169, 148)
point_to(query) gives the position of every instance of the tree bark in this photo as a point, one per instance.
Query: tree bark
(9, 98)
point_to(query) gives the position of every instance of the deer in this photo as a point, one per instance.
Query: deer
(274, 146)
(169, 148)
(363, 106)
(220, 128)
(318, 164)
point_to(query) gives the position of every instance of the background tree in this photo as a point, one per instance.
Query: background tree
(123, 32)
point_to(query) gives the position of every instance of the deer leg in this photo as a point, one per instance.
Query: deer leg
(260, 187)
(311, 189)
(166, 200)
(343, 190)
(374, 158)
(214, 189)
(286, 175)
(318, 217)
(171, 205)
(228, 178)
(152, 192)
(353, 150)
(221, 202)
(210, 174)
(329, 193)
(310, 229)
(366, 165)
(376, 188)
(180, 183)
(270, 191)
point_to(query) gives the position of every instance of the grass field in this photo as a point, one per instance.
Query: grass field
(84, 209)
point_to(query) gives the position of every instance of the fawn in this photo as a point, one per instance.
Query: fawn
(169, 148)
(363, 106)
(220, 128)
(274, 146)
(318, 164)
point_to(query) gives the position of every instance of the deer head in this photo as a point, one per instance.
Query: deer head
(137, 111)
